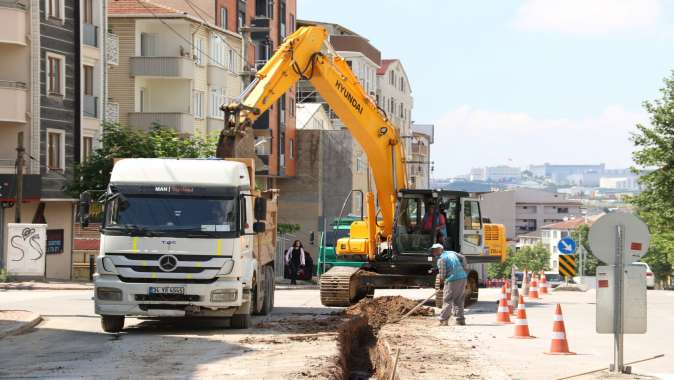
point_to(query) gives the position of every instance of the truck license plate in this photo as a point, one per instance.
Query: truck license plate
(167, 290)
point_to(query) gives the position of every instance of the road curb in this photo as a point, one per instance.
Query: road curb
(22, 327)
(45, 287)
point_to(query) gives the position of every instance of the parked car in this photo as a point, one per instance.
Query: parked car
(554, 279)
(650, 277)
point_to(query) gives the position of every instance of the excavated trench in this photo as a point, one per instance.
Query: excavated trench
(361, 354)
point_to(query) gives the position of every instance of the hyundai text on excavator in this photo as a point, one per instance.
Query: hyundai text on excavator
(392, 240)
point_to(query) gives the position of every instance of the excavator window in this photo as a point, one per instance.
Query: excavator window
(412, 235)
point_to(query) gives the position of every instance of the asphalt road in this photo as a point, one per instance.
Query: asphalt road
(70, 344)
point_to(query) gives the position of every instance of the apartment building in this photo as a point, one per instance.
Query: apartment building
(551, 234)
(526, 210)
(51, 100)
(394, 95)
(175, 68)
(419, 159)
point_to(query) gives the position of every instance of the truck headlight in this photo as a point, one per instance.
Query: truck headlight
(108, 294)
(224, 295)
(226, 268)
(108, 265)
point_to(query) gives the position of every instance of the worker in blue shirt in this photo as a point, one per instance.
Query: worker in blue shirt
(452, 271)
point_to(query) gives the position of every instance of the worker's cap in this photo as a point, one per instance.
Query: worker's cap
(437, 245)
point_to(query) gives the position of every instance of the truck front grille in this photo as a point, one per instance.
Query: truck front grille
(167, 280)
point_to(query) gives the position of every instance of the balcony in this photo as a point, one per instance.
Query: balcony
(90, 106)
(112, 49)
(218, 76)
(14, 100)
(90, 35)
(12, 22)
(181, 122)
(172, 67)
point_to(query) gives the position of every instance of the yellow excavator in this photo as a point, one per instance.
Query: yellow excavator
(389, 247)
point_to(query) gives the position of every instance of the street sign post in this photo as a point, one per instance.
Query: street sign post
(619, 239)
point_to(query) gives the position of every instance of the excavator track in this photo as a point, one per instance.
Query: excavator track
(338, 286)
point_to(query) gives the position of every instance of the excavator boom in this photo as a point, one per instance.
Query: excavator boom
(307, 54)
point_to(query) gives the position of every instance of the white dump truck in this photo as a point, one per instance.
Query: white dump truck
(183, 237)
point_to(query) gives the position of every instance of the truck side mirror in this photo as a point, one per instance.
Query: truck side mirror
(260, 208)
(83, 209)
(259, 227)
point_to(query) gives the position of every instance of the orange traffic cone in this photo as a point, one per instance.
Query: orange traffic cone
(521, 324)
(502, 315)
(559, 345)
(533, 288)
(543, 284)
(511, 311)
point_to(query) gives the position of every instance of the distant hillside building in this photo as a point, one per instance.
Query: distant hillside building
(525, 210)
(585, 175)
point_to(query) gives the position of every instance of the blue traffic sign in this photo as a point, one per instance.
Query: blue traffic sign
(566, 246)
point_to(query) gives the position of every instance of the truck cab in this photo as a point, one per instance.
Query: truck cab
(180, 237)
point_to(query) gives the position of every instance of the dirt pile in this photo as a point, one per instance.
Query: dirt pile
(382, 310)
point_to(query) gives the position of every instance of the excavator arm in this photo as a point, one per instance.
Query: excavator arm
(306, 54)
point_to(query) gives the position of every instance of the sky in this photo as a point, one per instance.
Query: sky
(523, 82)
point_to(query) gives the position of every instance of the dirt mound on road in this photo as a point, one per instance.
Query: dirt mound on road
(387, 309)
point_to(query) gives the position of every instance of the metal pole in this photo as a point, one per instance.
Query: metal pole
(19, 182)
(581, 254)
(618, 302)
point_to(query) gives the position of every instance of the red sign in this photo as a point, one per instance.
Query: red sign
(602, 283)
(635, 246)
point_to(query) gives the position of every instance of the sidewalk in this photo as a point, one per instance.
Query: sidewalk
(17, 321)
(47, 285)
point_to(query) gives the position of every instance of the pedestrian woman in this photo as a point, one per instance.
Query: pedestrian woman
(294, 258)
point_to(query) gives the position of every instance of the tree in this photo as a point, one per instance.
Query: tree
(654, 157)
(501, 269)
(580, 235)
(124, 142)
(533, 258)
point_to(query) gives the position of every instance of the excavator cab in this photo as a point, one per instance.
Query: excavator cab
(425, 217)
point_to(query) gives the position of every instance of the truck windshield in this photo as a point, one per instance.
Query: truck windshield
(177, 215)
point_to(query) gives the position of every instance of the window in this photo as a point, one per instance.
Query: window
(471, 216)
(87, 147)
(144, 99)
(562, 210)
(198, 104)
(148, 44)
(391, 78)
(224, 18)
(282, 19)
(218, 50)
(199, 51)
(292, 23)
(88, 80)
(241, 18)
(55, 9)
(217, 99)
(87, 12)
(56, 72)
(291, 147)
(231, 62)
(55, 150)
(292, 107)
(402, 84)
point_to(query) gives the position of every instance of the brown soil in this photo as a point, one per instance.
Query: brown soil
(382, 310)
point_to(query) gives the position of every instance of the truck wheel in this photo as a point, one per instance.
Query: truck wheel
(112, 323)
(240, 321)
(438, 292)
(268, 302)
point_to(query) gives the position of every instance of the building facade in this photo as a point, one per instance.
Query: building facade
(316, 195)
(526, 210)
(394, 96)
(419, 162)
(174, 69)
(52, 91)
